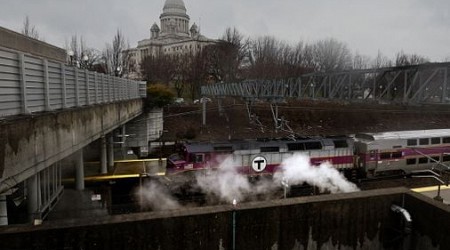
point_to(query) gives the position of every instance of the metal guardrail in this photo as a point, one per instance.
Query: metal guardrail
(31, 84)
(425, 83)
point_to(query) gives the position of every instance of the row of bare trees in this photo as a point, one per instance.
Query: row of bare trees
(235, 57)
(111, 60)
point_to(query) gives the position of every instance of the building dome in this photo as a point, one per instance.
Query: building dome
(174, 7)
(174, 20)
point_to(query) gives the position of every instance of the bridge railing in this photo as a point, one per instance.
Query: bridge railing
(31, 84)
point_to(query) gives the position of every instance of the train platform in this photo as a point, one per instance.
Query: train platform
(123, 169)
(439, 193)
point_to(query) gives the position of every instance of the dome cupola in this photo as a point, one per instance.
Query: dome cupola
(174, 7)
(174, 20)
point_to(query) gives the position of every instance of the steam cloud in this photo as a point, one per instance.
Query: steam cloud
(298, 170)
(153, 195)
(226, 183)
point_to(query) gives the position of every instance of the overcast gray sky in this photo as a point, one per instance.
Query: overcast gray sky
(389, 26)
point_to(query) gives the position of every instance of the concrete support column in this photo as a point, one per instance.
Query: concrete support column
(79, 171)
(33, 197)
(110, 152)
(103, 156)
(3, 211)
(203, 101)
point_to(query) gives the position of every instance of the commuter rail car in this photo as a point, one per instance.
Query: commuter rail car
(402, 151)
(367, 154)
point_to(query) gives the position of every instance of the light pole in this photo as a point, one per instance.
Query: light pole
(285, 184)
(85, 61)
(117, 71)
(71, 54)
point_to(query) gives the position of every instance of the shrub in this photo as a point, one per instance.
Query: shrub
(159, 95)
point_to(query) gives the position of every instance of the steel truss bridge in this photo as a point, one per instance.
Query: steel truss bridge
(417, 84)
(407, 85)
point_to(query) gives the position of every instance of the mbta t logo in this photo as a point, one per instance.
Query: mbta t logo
(259, 163)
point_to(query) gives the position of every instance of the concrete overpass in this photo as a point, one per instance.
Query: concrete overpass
(49, 111)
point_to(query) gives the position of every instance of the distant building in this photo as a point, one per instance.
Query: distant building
(174, 37)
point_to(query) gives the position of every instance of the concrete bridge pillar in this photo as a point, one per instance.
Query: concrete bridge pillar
(3, 211)
(79, 170)
(103, 156)
(33, 197)
(110, 152)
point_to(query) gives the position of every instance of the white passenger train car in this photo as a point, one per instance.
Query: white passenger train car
(402, 151)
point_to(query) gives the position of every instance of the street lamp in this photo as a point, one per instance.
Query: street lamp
(118, 70)
(85, 61)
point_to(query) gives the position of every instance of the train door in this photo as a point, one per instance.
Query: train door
(372, 162)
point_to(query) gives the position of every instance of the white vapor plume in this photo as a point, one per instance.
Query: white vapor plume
(225, 182)
(154, 196)
(297, 170)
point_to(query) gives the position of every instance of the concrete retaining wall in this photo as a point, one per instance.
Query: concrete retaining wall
(360, 220)
(31, 143)
(431, 222)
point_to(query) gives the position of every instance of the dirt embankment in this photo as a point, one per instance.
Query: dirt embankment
(304, 118)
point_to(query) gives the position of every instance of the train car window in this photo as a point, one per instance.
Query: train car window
(436, 140)
(269, 149)
(198, 158)
(385, 156)
(446, 140)
(411, 161)
(446, 158)
(423, 160)
(223, 148)
(436, 158)
(340, 144)
(296, 146)
(397, 154)
(412, 142)
(313, 145)
(424, 141)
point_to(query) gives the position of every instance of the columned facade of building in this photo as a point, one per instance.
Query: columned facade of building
(173, 36)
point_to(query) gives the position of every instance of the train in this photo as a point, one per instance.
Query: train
(363, 155)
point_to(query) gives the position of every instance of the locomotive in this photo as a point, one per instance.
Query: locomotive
(361, 155)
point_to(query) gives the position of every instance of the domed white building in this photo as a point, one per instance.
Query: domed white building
(175, 36)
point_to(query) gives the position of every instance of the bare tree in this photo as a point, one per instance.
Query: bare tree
(196, 69)
(233, 50)
(402, 59)
(361, 61)
(264, 55)
(272, 58)
(82, 56)
(113, 55)
(381, 61)
(29, 30)
(331, 55)
(160, 68)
